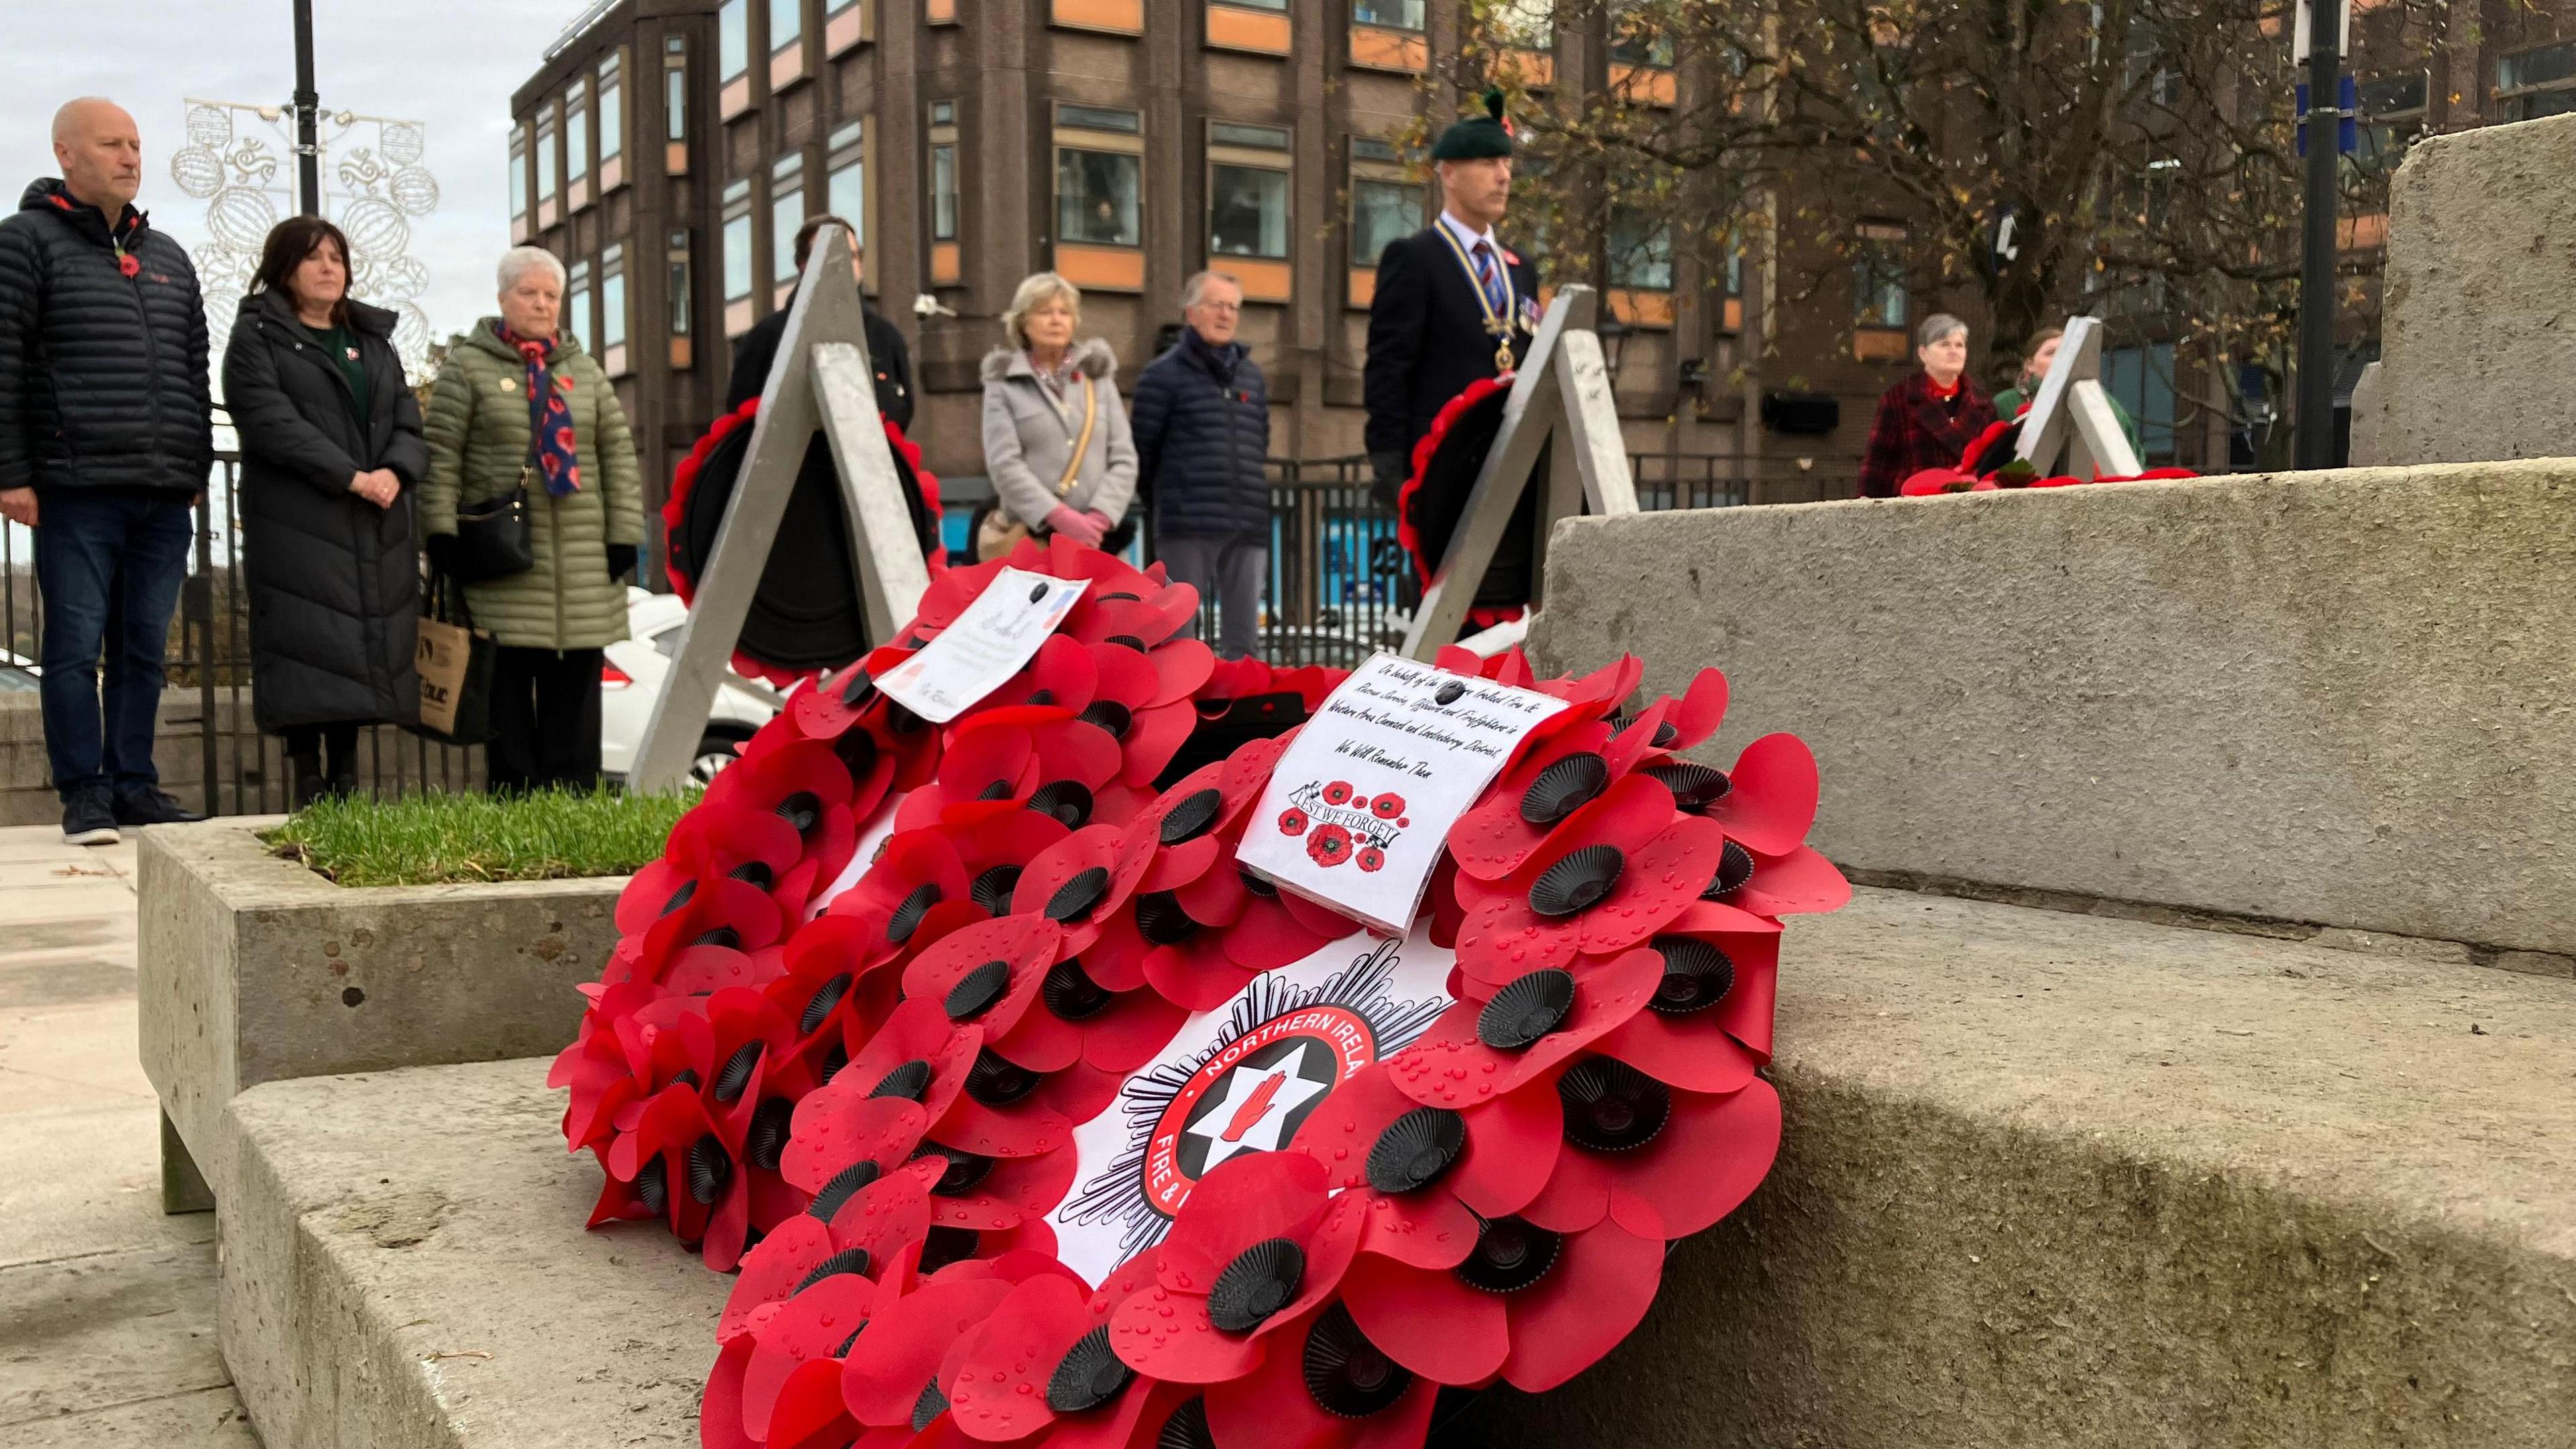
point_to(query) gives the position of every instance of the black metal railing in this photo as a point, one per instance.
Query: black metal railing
(1335, 587)
(1335, 590)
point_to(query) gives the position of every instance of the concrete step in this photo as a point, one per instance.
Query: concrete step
(405, 1268)
(2058, 1180)
(2050, 1180)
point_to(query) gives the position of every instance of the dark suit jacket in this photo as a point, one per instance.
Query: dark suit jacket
(1427, 337)
(757, 351)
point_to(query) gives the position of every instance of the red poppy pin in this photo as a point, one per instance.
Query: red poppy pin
(128, 263)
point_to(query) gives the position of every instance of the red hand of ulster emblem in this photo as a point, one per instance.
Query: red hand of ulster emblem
(1255, 1107)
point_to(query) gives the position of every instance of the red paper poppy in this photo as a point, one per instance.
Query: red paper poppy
(1258, 1244)
(1708, 1025)
(1375, 1402)
(892, 1375)
(1534, 1306)
(1614, 873)
(1495, 1039)
(1518, 812)
(868, 1232)
(1657, 1161)
(1043, 1360)
(1770, 803)
(987, 973)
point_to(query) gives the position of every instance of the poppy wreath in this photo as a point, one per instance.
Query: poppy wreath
(1989, 464)
(1446, 460)
(689, 527)
(890, 980)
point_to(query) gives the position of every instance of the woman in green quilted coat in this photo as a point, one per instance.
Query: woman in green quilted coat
(514, 377)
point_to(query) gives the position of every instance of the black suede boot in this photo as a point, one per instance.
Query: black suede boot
(310, 783)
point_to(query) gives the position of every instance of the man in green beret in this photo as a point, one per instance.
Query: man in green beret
(1453, 303)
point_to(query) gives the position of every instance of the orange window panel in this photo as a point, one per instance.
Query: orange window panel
(1262, 281)
(1127, 17)
(1363, 286)
(844, 30)
(735, 98)
(1120, 269)
(1879, 344)
(1641, 308)
(945, 264)
(1231, 27)
(1373, 48)
(787, 67)
(1644, 84)
(939, 12)
(675, 158)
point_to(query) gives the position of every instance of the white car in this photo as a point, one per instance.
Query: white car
(631, 676)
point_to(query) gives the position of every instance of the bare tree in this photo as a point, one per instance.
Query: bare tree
(2119, 156)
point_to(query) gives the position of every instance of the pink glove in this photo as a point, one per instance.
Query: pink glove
(1080, 527)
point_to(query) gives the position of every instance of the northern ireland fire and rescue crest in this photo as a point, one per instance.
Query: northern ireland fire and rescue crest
(1241, 1078)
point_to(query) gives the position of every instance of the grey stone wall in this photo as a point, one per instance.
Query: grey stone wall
(2339, 698)
(2477, 333)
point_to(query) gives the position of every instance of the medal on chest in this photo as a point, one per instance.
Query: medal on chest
(1498, 318)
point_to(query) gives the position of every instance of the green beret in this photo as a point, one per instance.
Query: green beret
(1477, 137)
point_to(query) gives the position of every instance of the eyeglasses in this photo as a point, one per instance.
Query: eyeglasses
(1228, 307)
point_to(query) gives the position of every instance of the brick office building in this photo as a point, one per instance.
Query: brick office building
(667, 150)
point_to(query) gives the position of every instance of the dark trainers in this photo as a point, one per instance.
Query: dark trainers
(153, 807)
(88, 821)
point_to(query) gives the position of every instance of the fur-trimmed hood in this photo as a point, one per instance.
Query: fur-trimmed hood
(1090, 356)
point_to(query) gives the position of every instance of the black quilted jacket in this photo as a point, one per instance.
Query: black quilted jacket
(1202, 426)
(102, 372)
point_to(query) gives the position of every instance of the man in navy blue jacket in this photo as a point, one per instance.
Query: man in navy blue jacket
(1202, 426)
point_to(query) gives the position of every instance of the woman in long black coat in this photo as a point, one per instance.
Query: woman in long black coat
(331, 451)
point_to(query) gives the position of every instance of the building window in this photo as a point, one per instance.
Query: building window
(2537, 83)
(1641, 251)
(546, 156)
(786, 23)
(1247, 190)
(1386, 204)
(2392, 116)
(1878, 276)
(733, 39)
(576, 317)
(676, 256)
(1394, 14)
(2142, 378)
(518, 172)
(786, 213)
(612, 114)
(576, 132)
(1099, 176)
(943, 191)
(1526, 24)
(845, 183)
(737, 258)
(612, 311)
(1637, 37)
(675, 89)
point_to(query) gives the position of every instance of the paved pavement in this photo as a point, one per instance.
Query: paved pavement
(107, 1306)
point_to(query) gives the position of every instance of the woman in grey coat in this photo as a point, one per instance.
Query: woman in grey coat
(1035, 391)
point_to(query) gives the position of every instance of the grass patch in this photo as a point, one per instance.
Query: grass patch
(462, 839)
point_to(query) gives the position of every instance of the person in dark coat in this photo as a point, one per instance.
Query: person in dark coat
(106, 435)
(1453, 304)
(1202, 428)
(1929, 419)
(331, 449)
(757, 350)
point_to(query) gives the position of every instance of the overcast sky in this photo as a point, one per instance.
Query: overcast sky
(450, 64)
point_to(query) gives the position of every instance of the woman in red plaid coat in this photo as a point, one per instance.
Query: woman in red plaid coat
(1928, 420)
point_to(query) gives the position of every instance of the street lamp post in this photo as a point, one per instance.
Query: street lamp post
(308, 141)
(2315, 440)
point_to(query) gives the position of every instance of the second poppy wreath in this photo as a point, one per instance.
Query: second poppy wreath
(1028, 1117)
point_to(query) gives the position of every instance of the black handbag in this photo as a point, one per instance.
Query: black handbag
(492, 538)
(455, 664)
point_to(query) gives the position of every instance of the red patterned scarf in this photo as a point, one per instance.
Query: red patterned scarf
(549, 416)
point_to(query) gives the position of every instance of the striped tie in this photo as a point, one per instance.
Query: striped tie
(1485, 277)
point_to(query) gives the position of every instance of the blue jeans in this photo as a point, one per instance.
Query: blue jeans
(109, 563)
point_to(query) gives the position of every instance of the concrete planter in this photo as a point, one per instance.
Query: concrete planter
(254, 969)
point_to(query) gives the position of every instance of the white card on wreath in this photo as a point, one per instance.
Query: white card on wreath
(989, 642)
(1360, 805)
